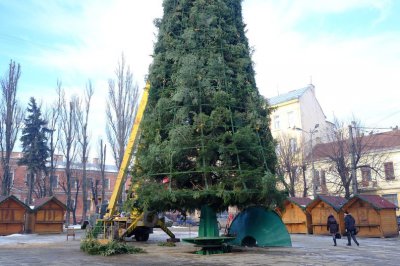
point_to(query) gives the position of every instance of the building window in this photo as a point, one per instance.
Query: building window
(278, 149)
(323, 178)
(291, 119)
(323, 182)
(107, 183)
(317, 178)
(54, 181)
(366, 175)
(72, 202)
(293, 145)
(276, 122)
(74, 182)
(11, 175)
(392, 198)
(89, 182)
(27, 178)
(88, 204)
(389, 170)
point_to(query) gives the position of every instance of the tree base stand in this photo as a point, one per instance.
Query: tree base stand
(211, 245)
(209, 239)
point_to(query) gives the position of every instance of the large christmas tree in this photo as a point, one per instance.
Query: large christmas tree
(205, 136)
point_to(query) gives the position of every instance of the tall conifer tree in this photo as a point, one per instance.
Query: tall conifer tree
(206, 127)
(34, 145)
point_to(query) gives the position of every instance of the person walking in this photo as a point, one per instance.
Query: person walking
(350, 225)
(332, 226)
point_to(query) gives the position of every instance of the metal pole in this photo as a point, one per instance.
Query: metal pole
(353, 162)
(312, 166)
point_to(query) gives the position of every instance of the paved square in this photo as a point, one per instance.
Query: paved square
(306, 250)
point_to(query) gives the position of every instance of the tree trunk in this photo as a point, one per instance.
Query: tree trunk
(75, 205)
(51, 181)
(5, 184)
(347, 191)
(30, 186)
(305, 189)
(102, 169)
(84, 190)
(68, 192)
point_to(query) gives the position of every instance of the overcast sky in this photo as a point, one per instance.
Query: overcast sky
(350, 49)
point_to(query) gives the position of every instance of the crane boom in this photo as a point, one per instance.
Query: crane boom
(127, 155)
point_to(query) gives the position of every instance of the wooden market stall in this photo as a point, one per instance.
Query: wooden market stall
(295, 217)
(321, 207)
(374, 215)
(13, 213)
(47, 216)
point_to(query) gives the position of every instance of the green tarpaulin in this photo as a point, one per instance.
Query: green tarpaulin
(256, 226)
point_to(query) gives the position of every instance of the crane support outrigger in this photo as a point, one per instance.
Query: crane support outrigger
(137, 223)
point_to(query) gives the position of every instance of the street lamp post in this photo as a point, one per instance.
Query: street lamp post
(311, 132)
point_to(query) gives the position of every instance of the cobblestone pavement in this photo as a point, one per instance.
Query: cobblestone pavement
(306, 250)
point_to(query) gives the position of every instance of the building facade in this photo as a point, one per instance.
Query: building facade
(58, 183)
(377, 171)
(297, 124)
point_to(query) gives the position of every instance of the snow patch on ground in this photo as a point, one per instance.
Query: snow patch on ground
(75, 226)
(14, 235)
(36, 238)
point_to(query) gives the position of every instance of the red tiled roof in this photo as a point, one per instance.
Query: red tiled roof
(336, 202)
(380, 141)
(377, 201)
(3, 198)
(302, 202)
(42, 201)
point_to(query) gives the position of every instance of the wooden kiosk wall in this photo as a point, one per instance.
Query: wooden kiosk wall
(296, 219)
(47, 216)
(12, 215)
(374, 216)
(321, 208)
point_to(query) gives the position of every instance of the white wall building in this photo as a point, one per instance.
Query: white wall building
(298, 109)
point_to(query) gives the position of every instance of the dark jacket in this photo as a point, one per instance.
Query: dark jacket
(331, 225)
(349, 223)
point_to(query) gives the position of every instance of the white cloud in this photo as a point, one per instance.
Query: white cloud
(353, 75)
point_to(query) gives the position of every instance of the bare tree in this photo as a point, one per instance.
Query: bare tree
(303, 169)
(39, 186)
(290, 163)
(94, 186)
(103, 152)
(121, 107)
(79, 183)
(52, 115)
(73, 185)
(338, 151)
(68, 142)
(84, 139)
(11, 117)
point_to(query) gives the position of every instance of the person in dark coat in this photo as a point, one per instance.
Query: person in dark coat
(350, 225)
(332, 226)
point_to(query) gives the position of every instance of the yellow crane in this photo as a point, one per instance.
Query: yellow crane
(137, 223)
